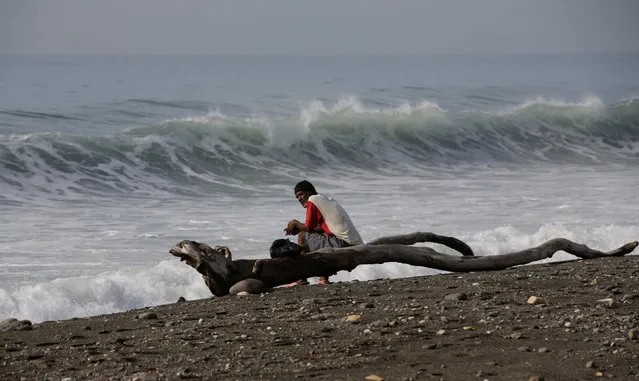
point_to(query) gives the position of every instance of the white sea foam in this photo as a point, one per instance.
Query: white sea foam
(587, 101)
(167, 280)
(103, 293)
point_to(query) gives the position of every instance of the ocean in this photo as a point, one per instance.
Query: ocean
(107, 161)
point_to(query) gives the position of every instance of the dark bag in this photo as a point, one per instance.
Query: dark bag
(282, 248)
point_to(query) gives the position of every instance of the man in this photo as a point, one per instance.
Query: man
(327, 224)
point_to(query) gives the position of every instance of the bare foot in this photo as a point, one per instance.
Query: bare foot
(301, 282)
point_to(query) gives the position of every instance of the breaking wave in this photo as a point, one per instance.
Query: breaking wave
(195, 155)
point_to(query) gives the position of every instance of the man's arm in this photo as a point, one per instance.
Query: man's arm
(294, 227)
(313, 217)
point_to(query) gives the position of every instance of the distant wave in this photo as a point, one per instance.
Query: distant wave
(36, 115)
(187, 105)
(195, 155)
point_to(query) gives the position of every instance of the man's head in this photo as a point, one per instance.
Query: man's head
(304, 190)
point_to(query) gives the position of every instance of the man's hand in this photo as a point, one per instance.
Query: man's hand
(294, 227)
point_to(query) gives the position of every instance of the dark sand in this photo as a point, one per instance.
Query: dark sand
(476, 326)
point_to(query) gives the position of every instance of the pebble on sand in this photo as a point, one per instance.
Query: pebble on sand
(535, 300)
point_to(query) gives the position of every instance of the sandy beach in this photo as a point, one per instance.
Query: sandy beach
(574, 320)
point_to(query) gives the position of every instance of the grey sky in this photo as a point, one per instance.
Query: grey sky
(317, 27)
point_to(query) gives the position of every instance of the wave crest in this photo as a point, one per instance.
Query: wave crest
(194, 155)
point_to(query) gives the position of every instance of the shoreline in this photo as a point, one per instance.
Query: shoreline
(554, 321)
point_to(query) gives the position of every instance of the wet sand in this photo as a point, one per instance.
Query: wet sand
(575, 320)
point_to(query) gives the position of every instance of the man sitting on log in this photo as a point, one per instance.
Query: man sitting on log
(327, 224)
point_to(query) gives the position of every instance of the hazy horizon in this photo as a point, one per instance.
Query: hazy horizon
(327, 55)
(327, 28)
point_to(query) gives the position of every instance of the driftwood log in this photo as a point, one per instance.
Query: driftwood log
(221, 272)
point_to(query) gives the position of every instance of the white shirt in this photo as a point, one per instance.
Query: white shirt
(336, 218)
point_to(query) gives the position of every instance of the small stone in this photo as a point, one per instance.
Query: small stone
(543, 350)
(181, 299)
(366, 305)
(373, 377)
(467, 328)
(12, 324)
(599, 374)
(535, 300)
(186, 373)
(441, 332)
(523, 349)
(429, 346)
(536, 378)
(249, 285)
(352, 319)
(7, 322)
(590, 364)
(456, 297)
(632, 334)
(25, 325)
(147, 316)
(594, 282)
(608, 302)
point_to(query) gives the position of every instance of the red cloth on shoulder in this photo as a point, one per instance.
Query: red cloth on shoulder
(314, 217)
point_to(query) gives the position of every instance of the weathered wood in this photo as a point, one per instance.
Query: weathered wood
(413, 238)
(220, 272)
